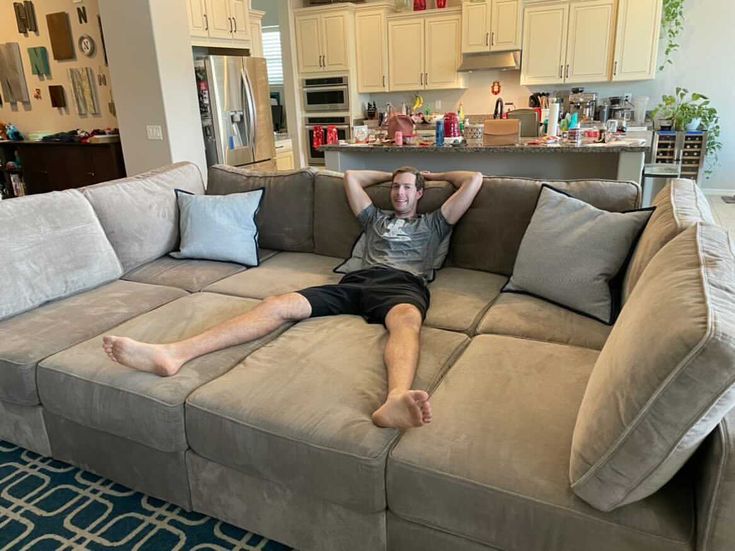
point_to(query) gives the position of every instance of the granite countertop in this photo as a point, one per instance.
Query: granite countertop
(522, 147)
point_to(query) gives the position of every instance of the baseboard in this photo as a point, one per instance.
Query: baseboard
(718, 191)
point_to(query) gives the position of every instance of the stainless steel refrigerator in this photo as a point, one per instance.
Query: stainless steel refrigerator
(234, 102)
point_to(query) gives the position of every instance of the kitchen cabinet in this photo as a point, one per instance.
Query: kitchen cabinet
(256, 33)
(219, 22)
(424, 52)
(491, 26)
(284, 155)
(568, 42)
(322, 41)
(636, 42)
(372, 51)
(197, 18)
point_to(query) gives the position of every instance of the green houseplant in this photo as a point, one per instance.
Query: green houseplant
(692, 112)
(672, 23)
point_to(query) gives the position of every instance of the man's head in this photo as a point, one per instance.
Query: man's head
(406, 190)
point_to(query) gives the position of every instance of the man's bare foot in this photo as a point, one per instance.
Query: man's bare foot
(153, 358)
(404, 410)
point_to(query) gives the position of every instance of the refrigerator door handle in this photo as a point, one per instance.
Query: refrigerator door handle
(250, 104)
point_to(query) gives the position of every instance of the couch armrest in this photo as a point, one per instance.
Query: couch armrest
(715, 488)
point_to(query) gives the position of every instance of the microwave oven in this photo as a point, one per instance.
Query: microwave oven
(322, 94)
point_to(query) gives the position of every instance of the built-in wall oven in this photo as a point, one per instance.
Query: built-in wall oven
(322, 94)
(315, 157)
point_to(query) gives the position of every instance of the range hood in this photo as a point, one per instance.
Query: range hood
(485, 61)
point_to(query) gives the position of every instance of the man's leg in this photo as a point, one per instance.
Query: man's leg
(403, 408)
(167, 359)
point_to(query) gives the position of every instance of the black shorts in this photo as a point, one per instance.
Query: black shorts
(370, 293)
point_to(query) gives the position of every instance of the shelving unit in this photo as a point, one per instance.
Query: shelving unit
(686, 149)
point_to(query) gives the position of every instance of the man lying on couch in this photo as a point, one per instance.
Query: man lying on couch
(401, 249)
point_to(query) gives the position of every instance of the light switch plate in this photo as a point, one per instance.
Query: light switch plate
(438, 104)
(154, 132)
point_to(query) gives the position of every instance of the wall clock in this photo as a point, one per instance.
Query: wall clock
(87, 45)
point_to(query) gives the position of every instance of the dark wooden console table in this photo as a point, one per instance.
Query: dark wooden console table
(53, 166)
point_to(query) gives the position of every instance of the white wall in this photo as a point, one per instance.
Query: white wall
(702, 64)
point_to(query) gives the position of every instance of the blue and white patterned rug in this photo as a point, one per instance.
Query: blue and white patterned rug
(49, 505)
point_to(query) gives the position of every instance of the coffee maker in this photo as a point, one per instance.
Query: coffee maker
(583, 103)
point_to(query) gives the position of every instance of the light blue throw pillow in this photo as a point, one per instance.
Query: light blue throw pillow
(219, 227)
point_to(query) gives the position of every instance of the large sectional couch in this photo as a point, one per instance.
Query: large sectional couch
(275, 436)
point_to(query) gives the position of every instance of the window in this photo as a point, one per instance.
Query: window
(272, 54)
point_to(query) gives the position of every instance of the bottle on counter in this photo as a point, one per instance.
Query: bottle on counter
(398, 138)
(439, 132)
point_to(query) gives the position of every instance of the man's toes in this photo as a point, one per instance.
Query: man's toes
(419, 395)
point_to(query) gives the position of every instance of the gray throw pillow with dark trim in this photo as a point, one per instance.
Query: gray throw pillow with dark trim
(219, 227)
(572, 252)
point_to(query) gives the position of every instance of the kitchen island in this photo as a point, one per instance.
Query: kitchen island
(615, 161)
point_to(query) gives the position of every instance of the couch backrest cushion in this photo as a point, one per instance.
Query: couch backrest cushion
(286, 216)
(52, 246)
(140, 215)
(335, 227)
(489, 235)
(666, 375)
(679, 205)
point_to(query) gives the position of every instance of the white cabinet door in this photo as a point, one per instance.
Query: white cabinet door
(256, 36)
(218, 17)
(197, 18)
(335, 41)
(239, 12)
(406, 54)
(590, 44)
(544, 44)
(372, 55)
(443, 52)
(308, 44)
(476, 26)
(636, 45)
(506, 25)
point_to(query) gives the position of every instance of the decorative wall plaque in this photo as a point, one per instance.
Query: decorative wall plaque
(39, 61)
(12, 77)
(59, 30)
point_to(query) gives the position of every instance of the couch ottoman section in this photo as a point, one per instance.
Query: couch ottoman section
(83, 385)
(528, 317)
(297, 412)
(493, 465)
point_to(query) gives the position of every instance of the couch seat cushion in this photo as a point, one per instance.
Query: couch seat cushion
(83, 385)
(459, 297)
(284, 273)
(297, 412)
(28, 338)
(493, 466)
(534, 318)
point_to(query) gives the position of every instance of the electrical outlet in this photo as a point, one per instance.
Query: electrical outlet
(154, 132)
(438, 105)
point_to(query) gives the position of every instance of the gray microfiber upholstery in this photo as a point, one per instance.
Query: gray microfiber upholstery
(286, 216)
(665, 378)
(297, 412)
(85, 386)
(28, 338)
(335, 227)
(24, 426)
(284, 273)
(493, 464)
(140, 215)
(287, 515)
(488, 236)
(409, 536)
(52, 246)
(534, 318)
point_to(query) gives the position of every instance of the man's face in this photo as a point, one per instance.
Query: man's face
(403, 194)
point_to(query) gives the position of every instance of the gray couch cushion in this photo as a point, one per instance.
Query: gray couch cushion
(284, 273)
(335, 227)
(665, 377)
(489, 234)
(534, 318)
(28, 338)
(678, 205)
(297, 412)
(493, 464)
(139, 214)
(83, 385)
(52, 246)
(286, 217)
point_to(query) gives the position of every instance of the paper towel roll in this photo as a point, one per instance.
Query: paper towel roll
(554, 109)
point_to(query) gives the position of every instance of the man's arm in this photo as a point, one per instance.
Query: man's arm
(355, 183)
(468, 184)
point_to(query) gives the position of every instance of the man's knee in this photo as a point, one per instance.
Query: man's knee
(288, 307)
(404, 315)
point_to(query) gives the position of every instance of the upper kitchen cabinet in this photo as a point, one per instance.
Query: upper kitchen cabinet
(424, 51)
(491, 25)
(636, 44)
(323, 38)
(256, 32)
(219, 22)
(568, 42)
(372, 51)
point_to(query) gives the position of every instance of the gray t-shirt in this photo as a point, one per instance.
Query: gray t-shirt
(417, 245)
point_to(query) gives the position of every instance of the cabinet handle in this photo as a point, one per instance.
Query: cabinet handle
(421, 78)
(615, 69)
(487, 39)
(383, 81)
(492, 42)
(567, 74)
(426, 79)
(206, 22)
(561, 71)
(234, 22)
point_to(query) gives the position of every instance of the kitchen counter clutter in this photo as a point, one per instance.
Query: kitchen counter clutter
(525, 146)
